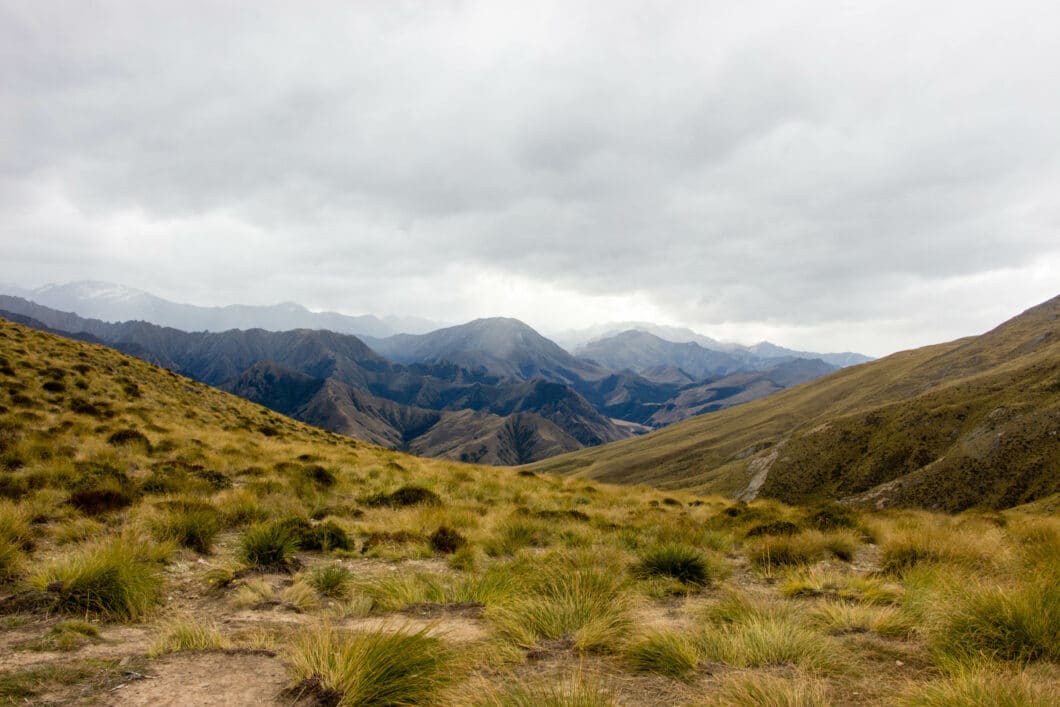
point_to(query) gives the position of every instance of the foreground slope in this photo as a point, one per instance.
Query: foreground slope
(162, 542)
(969, 422)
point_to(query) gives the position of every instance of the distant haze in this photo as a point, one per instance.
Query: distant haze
(862, 176)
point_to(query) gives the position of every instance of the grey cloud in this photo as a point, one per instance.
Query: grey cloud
(752, 162)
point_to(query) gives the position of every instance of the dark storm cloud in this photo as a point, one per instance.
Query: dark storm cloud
(797, 169)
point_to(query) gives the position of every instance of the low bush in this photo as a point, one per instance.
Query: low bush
(404, 496)
(681, 562)
(773, 527)
(446, 541)
(831, 516)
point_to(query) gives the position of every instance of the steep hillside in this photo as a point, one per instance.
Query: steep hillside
(970, 422)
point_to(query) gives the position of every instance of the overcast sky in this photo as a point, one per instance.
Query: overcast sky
(858, 175)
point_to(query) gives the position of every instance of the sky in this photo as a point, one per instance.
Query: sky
(867, 176)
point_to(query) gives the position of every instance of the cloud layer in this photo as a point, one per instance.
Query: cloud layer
(863, 175)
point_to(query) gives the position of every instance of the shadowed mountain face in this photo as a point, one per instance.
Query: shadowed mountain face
(971, 422)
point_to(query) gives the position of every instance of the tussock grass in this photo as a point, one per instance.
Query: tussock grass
(588, 602)
(747, 689)
(1019, 623)
(193, 528)
(935, 541)
(385, 667)
(12, 561)
(332, 581)
(842, 617)
(267, 546)
(982, 685)
(185, 634)
(109, 579)
(577, 689)
(759, 640)
(666, 653)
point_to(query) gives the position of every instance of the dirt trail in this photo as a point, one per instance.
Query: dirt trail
(207, 678)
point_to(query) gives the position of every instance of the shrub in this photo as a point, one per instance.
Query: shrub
(128, 438)
(404, 496)
(446, 540)
(268, 546)
(773, 527)
(322, 536)
(108, 580)
(374, 669)
(94, 502)
(683, 563)
(831, 516)
(666, 653)
(319, 476)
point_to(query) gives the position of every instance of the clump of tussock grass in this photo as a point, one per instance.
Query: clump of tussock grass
(516, 533)
(755, 689)
(187, 634)
(390, 592)
(665, 653)
(267, 546)
(681, 562)
(981, 684)
(577, 689)
(129, 437)
(67, 635)
(12, 561)
(932, 541)
(404, 496)
(15, 525)
(384, 667)
(760, 640)
(588, 602)
(1018, 623)
(842, 617)
(193, 528)
(804, 548)
(331, 581)
(815, 582)
(110, 580)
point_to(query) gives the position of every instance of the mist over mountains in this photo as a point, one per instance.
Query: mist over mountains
(490, 391)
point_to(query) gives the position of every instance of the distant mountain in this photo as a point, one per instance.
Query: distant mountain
(500, 347)
(114, 303)
(972, 422)
(581, 342)
(336, 382)
(639, 351)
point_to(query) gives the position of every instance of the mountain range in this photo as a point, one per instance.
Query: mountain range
(491, 391)
(972, 422)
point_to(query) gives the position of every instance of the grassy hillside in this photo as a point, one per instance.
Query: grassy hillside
(162, 542)
(970, 422)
